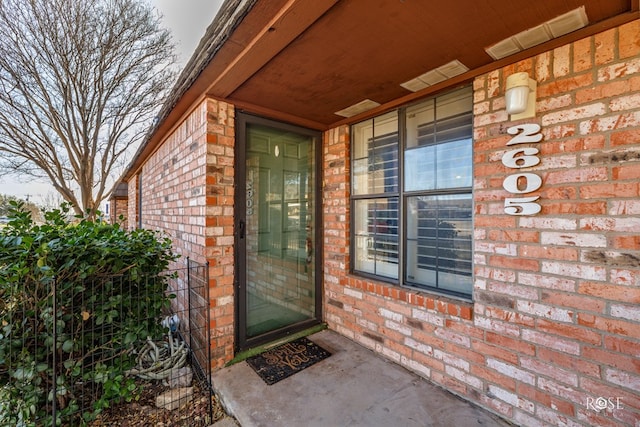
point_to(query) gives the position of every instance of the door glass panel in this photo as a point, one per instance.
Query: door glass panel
(280, 278)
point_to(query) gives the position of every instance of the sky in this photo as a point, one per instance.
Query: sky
(187, 20)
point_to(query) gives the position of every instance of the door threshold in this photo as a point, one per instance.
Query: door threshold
(245, 354)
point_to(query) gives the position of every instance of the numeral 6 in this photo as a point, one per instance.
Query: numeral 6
(521, 158)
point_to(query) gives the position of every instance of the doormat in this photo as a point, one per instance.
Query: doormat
(287, 359)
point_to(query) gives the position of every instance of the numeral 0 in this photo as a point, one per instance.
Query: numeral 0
(514, 183)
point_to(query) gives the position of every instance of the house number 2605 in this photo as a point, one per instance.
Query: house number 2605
(523, 182)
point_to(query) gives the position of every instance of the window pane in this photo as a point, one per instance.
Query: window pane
(439, 242)
(453, 103)
(375, 147)
(420, 168)
(446, 124)
(454, 164)
(376, 236)
(437, 157)
(418, 116)
(441, 166)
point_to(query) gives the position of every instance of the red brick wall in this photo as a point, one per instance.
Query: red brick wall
(119, 208)
(555, 323)
(187, 192)
(132, 202)
(173, 186)
(219, 240)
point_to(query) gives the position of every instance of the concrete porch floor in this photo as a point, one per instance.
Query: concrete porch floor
(353, 387)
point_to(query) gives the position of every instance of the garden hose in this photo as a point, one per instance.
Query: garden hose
(156, 361)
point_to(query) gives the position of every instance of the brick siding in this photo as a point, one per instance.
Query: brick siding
(188, 193)
(555, 322)
(119, 211)
(132, 202)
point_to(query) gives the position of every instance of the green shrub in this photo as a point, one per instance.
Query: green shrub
(110, 292)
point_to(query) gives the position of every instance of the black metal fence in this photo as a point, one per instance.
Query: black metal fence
(163, 378)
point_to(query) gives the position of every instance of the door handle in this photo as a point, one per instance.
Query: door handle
(241, 229)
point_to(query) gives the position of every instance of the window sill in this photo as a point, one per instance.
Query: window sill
(444, 304)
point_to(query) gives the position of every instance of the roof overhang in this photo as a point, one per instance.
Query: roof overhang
(303, 61)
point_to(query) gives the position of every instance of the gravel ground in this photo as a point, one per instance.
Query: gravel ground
(143, 412)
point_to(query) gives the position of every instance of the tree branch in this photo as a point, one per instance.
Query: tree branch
(80, 82)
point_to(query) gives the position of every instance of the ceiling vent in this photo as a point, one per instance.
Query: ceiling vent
(553, 28)
(432, 77)
(358, 108)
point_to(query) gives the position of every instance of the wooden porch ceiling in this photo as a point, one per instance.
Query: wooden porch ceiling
(302, 60)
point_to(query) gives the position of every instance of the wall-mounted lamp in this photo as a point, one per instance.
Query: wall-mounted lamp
(520, 96)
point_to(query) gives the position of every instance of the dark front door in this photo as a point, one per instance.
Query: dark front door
(278, 284)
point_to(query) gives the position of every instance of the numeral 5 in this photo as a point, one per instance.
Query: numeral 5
(522, 206)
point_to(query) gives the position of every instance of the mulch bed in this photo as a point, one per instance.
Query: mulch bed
(144, 412)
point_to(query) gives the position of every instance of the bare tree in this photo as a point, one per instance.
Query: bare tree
(51, 200)
(80, 84)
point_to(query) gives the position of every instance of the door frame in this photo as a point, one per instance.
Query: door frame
(241, 341)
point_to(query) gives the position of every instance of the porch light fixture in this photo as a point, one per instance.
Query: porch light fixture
(551, 29)
(520, 96)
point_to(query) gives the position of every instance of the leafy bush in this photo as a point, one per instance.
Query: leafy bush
(108, 287)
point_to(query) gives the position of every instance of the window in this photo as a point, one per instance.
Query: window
(412, 195)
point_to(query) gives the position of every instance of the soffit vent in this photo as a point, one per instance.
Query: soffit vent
(553, 28)
(437, 75)
(358, 108)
